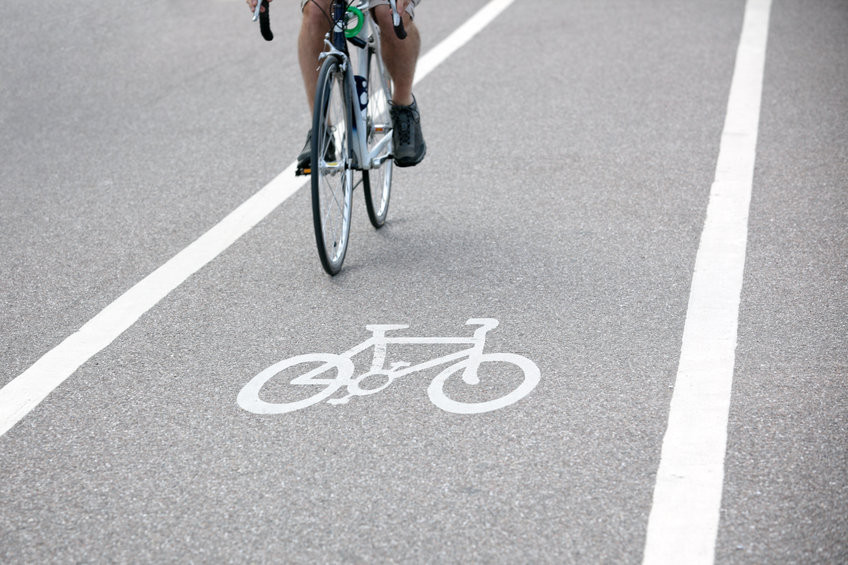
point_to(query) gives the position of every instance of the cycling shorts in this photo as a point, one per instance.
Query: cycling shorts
(410, 5)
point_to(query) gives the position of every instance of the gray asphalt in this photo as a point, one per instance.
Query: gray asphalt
(572, 146)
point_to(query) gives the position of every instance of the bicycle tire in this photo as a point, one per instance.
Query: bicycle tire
(332, 177)
(248, 398)
(436, 390)
(379, 124)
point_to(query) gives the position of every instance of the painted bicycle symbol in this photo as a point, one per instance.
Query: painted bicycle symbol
(336, 372)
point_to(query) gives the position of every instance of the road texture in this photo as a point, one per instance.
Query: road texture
(572, 147)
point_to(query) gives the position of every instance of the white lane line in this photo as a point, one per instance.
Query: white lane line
(27, 390)
(683, 524)
(32, 386)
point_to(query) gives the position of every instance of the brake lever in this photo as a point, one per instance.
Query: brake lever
(397, 20)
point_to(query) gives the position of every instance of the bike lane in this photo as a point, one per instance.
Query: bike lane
(571, 217)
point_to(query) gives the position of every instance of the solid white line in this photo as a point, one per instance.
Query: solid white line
(683, 524)
(32, 386)
(27, 390)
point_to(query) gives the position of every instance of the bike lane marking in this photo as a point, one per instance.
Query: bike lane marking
(468, 362)
(684, 519)
(30, 388)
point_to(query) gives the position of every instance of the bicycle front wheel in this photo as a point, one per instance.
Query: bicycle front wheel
(377, 181)
(332, 177)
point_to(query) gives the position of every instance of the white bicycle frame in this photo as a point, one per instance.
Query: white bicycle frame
(357, 129)
(380, 343)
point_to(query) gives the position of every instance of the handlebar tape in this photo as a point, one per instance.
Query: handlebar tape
(265, 22)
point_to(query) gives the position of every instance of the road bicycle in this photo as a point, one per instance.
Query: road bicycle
(335, 372)
(351, 125)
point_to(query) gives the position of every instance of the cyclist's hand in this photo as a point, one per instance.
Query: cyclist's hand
(252, 5)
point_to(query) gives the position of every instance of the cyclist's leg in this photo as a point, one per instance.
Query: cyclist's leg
(310, 43)
(399, 56)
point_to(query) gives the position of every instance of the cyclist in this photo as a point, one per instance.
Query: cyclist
(400, 57)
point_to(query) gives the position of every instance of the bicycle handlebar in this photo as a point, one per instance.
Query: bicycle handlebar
(397, 20)
(264, 19)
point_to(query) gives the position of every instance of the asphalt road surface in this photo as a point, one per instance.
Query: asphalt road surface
(572, 150)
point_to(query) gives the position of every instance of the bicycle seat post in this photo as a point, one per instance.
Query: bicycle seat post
(378, 341)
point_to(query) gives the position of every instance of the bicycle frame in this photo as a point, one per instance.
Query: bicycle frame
(379, 342)
(337, 46)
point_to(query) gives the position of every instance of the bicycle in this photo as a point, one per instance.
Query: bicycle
(467, 362)
(351, 125)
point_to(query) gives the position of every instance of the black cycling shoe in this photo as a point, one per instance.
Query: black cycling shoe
(304, 160)
(409, 146)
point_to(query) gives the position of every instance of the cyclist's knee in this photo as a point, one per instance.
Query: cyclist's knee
(314, 15)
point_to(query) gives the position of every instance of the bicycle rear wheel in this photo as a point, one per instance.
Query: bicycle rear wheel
(377, 182)
(526, 383)
(332, 177)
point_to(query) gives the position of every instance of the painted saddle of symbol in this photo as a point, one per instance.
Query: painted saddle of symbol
(328, 373)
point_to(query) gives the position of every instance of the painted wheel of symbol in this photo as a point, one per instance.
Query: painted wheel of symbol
(436, 390)
(320, 376)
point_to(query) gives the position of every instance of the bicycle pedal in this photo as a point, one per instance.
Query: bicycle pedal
(302, 172)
